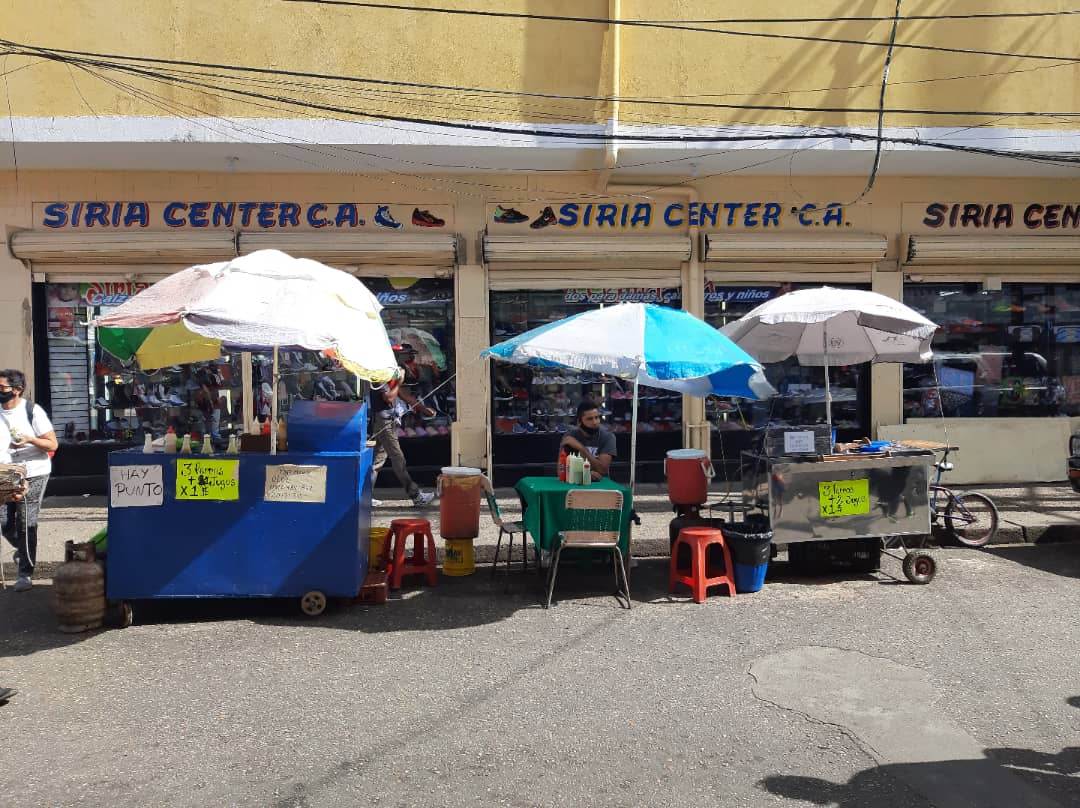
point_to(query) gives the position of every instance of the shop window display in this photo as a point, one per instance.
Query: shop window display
(1013, 352)
(542, 402)
(738, 424)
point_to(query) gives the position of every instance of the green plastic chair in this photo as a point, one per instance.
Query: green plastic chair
(510, 528)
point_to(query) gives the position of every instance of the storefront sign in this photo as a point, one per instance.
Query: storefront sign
(673, 296)
(1001, 216)
(292, 483)
(208, 479)
(79, 295)
(221, 215)
(844, 498)
(634, 216)
(135, 486)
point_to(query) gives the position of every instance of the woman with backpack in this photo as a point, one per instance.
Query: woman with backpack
(32, 442)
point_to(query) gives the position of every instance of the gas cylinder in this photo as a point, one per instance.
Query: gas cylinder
(78, 590)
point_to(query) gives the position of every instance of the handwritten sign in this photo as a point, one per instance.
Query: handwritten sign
(208, 479)
(844, 498)
(798, 442)
(135, 486)
(292, 483)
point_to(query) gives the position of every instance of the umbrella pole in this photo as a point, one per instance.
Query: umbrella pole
(828, 392)
(246, 380)
(633, 439)
(274, 405)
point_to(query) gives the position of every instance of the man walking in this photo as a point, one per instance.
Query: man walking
(387, 404)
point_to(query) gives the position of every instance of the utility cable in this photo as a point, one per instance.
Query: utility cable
(62, 55)
(668, 26)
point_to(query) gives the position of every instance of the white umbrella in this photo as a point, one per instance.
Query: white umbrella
(263, 301)
(833, 326)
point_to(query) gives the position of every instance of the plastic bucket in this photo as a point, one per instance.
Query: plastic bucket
(460, 489)
(459, 559)
(378, 539)
(749, 578)
(688, 472)
(750, 544)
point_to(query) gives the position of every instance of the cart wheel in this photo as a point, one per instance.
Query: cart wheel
(313, 603)
(919, 567)
(125, 614)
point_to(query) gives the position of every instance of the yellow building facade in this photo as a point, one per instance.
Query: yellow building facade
(491, 171)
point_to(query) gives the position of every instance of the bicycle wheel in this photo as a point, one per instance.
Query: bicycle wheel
(971, 519)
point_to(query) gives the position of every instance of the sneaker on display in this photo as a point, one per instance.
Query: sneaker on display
(376, 503)
(22, 583)
(423, 499)
(509, 215)
(383, 218)
(425, 218)
(546, 217)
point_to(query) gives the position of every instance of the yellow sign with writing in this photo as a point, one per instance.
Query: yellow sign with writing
(844, 498)
(208, 479)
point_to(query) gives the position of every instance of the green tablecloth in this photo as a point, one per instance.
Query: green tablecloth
(544, 502)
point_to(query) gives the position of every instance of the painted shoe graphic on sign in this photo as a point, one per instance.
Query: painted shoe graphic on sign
(509, 216)
(384, 219)
(546, 217)
(425, 218)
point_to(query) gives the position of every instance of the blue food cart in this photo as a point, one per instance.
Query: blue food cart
(290, 525)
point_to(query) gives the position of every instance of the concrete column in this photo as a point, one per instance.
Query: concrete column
(469, 432)
(887, 379)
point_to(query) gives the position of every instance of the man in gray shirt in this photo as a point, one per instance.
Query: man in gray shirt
(590, 440)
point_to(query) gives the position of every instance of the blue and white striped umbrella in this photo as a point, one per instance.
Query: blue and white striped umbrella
(644, 343)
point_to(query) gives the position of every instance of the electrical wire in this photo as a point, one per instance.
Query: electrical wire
(106, 59)
(825, 134)
(670, 26)
(881, 106)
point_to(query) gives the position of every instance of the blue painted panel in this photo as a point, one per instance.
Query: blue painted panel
(248, 547)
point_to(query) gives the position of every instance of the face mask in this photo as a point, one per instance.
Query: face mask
(6, 397)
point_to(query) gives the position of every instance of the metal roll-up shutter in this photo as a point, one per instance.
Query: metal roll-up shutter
(105, 248)
(776, 274)
(508, 280)
(935, 250)
(360, 249)
(594, 262)
(786, 248)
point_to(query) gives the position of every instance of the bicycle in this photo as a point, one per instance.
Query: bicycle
(969, 518)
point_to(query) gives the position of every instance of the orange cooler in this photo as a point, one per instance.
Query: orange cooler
(460, 490)
(688, 473)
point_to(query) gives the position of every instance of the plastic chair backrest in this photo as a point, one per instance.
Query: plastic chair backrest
(493, 506)
(594, 510)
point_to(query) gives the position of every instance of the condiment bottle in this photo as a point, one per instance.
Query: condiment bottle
(207, 446)
(148, 444)
(233, 448)
(282, 435)
(185, 447)
(562, 464)
(586, 472)
(170, 441)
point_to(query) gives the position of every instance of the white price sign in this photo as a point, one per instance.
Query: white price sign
(135, 486)
(798, 442)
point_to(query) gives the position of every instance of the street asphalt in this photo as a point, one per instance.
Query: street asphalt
(847, 690)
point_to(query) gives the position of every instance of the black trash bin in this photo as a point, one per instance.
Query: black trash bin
(750, 543)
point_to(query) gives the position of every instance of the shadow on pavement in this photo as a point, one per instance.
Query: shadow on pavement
(29, 625)
(1060, 559)
(1007, 777)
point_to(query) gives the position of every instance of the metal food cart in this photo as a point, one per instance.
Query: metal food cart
(880, 496)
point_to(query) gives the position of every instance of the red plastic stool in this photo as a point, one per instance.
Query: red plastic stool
(698, 577)
(422, 561)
